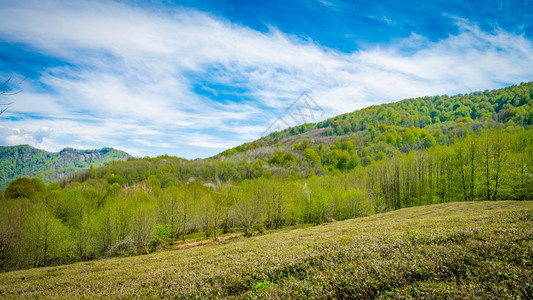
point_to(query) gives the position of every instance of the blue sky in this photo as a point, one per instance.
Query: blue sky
(192, 78)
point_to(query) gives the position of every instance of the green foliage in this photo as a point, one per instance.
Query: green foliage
(116, 179)
(471, 250)
(358, 204)
(162, 236)
(479, 109)
(388, 157)
(23, 160)
(262, 285)
(282, 158)
(24, 188)
(312, 156)
(45, 239)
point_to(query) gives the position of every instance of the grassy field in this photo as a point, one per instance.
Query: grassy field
(456, 250)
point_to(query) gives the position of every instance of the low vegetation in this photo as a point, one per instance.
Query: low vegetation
(468, 250)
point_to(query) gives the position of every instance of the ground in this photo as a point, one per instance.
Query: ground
(456, 250)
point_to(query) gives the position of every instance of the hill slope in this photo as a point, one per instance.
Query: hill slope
(23, 160)
(359, 138)
(442, 117)
(133, 207)
(455, 250)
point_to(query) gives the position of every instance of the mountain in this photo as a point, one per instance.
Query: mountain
(414, 152)
(23, 160)
(410, 139)
(396, 123)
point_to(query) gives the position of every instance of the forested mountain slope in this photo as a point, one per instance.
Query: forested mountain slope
(440, 115)
(413, 152)
(23, 160)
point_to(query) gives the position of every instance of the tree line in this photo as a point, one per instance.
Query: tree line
(414, 152)
(83, 221)
(45, 225)
(497, 165)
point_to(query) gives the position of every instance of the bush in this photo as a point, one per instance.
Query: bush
(21, 188)
(162, 237)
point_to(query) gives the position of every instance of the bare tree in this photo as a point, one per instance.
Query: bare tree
(7, 90)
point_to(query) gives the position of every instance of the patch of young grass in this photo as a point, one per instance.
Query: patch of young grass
(453, 250)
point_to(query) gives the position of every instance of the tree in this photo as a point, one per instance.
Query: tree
(195, 191)
(275, 203)
(169, 210)
(248, 207)
(143, 222)
(461, 166)
(520, 176)
(113, 225)
(343, 160)
(46, 237)
(7, 90)
(317, 202)
(357, 203)
(500, 157)
(206, 213)
(13, 215)
(312, 156)
(219, 202)
(81, 221)
(487, 156)
(21, 188)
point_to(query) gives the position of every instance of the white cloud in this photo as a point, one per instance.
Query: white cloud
(18, 136)
(130, 74)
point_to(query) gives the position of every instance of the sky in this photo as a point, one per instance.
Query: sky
(193, 78)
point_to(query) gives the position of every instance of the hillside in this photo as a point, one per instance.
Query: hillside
(384, 158)
(477, 146)
(356, 139)
(455, 250)
(414, 123)
(23, 160)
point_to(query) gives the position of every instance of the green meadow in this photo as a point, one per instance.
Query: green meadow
(469, 250)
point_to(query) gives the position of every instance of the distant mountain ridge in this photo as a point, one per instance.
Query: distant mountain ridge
(24, 160)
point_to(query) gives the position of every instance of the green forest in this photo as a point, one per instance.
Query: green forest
(474, 147)
(26, 161)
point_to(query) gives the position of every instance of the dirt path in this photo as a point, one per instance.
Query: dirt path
(204, 242)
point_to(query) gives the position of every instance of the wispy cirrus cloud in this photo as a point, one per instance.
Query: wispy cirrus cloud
(190, 83)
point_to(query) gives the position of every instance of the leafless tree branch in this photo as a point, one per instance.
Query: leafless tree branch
(7, 90)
